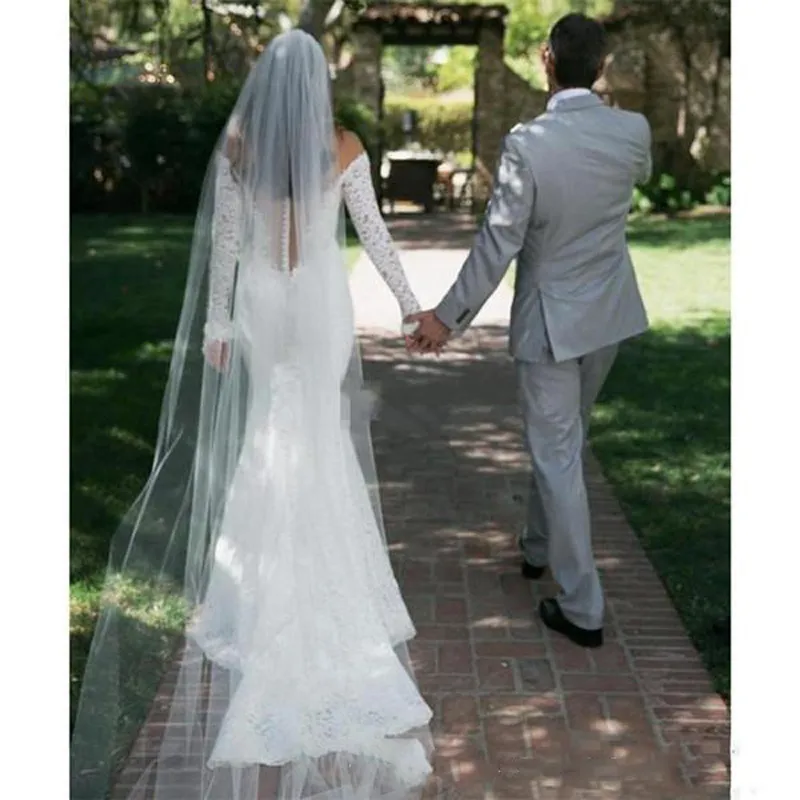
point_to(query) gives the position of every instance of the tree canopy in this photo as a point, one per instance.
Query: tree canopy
(219, 36)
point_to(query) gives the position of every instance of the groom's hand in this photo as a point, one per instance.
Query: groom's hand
(430, 335)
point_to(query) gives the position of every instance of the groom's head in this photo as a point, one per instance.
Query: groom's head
(575, 52)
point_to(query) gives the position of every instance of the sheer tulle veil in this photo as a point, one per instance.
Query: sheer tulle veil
(152, 702)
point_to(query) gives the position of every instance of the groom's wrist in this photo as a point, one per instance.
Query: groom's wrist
(447, 314)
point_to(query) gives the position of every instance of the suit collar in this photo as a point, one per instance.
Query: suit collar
(575, 102)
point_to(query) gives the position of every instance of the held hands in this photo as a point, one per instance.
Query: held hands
(425, 333)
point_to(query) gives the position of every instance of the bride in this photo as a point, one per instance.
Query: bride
(251, 642)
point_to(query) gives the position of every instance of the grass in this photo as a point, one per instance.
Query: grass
(662, 426)
(126, 281)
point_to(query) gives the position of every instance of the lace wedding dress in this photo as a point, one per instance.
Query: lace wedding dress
(250, 641)
(302, 602)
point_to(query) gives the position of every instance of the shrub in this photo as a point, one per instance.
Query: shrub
(147, 148)
(663, 194)
(441, 127)
(143, 148)
(97, 152)
(357, 117)
(720, 192)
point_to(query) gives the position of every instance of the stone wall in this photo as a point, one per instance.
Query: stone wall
(489, 94)
(507, 100)
(520, 101)
(691, 132)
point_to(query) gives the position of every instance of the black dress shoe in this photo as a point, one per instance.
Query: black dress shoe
(553, 617)
(532, 573)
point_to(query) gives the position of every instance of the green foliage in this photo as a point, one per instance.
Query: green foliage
(529, 21)
(458, 71)
(441, 127)
(147, 148)
(179, 37)
(143, 148)
(407, 68)
(720, 192)
(664, 194)
(153, 140)
(357, 117)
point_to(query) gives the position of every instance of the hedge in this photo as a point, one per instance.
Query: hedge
(447, 128)
(147, 148)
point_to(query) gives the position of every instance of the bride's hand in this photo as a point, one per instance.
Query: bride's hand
(216, 354)
(425, 333)
(409, 329)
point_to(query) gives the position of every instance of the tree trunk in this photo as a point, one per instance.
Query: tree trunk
(208, 41)
(681, 166)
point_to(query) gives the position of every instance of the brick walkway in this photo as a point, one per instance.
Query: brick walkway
(519, 714)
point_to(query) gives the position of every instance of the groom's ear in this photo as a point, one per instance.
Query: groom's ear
(548, 61)
(546, 55)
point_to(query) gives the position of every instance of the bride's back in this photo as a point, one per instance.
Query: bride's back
(284, 154)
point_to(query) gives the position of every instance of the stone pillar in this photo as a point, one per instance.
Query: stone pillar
(490, 99)
(365, 84)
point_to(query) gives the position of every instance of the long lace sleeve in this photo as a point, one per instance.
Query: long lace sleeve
(359, 196)
(225, 241)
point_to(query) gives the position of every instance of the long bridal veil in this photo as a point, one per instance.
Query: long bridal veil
(152, 702)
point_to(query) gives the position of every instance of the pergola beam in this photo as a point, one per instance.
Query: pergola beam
(431, 23)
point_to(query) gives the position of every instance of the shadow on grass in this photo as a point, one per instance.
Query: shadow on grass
(662, 435)
(126, 283)
(679, 233)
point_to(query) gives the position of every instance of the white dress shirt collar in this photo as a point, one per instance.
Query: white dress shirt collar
(565, 94)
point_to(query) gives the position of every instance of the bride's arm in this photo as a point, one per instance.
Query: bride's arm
(225, 243)
(359, 196)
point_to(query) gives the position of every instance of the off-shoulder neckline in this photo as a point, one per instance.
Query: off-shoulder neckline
(362, 156)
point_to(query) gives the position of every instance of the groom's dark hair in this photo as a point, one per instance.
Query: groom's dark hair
(578, 45)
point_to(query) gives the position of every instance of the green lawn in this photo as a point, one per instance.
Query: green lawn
(662, 426)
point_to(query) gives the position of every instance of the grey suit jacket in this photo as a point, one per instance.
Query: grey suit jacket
(559, 204)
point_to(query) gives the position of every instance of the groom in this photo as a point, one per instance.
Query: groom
(559, 204)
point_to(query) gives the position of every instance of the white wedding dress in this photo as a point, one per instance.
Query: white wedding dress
(302, 603)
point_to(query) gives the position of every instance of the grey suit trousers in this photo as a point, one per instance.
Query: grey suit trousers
(557, 399)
